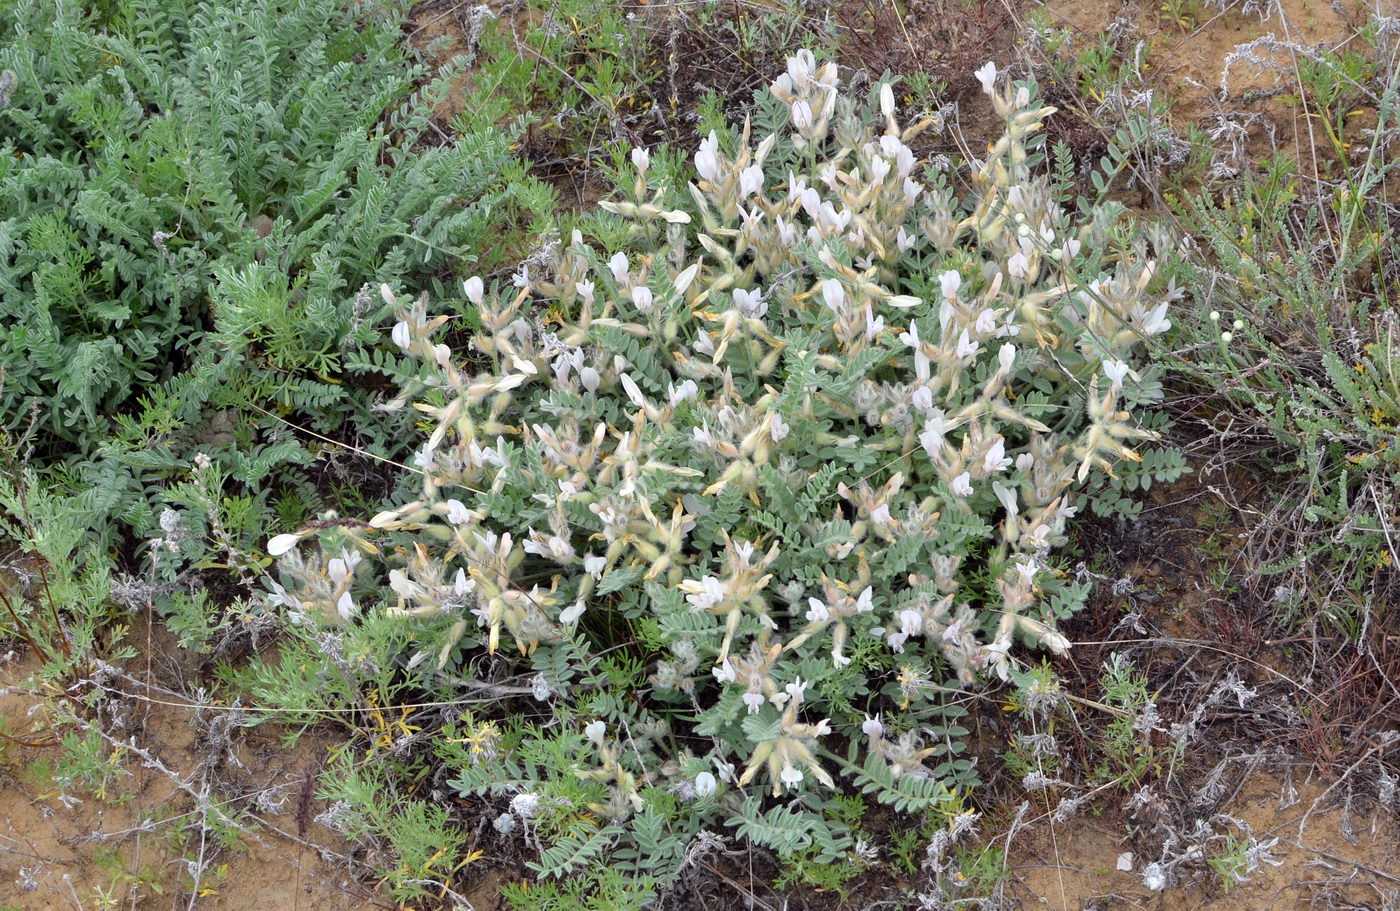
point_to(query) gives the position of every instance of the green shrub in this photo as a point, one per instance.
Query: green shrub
(784, 471)
(194, 201)
(1296, 346)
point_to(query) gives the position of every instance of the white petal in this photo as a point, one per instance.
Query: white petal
(474, 289)
(345, 606)
(281, 544)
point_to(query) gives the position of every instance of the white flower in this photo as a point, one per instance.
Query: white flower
(401, 336)
(707, 158)
(641, 159)
(910, 338)
(345, 606)
(802, 117)
(779, 429)
(962, 485)
(1006, 357)
(787, 232)
(704, 344)
(590, 378)
(281, 544)
(724, 673)
(705, 784)
(642, 298)
(886, 99)
(865, 603)
(950, 282)
(586, 289)
(754, 701)
(995, 460)
(966, 346)
(880, 515)
(796, 690)
(618, 266)
(1156, 322)
(634, 392)
(750, 303)
(570, 616)
(1115, 371)
(704, 594)
(457, 512)
(796, 186)
(986, 322)
(686, 390)
(987, 75)
(819, 612)
(683, 281)
(911, 622)
(935, 427)
(1227, 337)
(833, 294)
(1215, 316)
(874, 325)
(1025, 461)
(474, 289)
(595, 731)
(791, 776)
(912, 189)
(1007, 496)
(922, 398)
(750, 181)
(461, 585)
(1018, 265)
(873, 728)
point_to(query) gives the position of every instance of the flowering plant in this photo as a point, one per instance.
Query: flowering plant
(805, 449)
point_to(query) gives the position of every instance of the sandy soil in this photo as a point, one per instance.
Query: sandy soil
(130, 847)
(1074, 867)
(1195, 64)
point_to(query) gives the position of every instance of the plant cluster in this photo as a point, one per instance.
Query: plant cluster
(782, 470)
(1295, 347)
(189, 235)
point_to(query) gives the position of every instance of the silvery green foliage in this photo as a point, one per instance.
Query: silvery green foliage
(809, 442)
